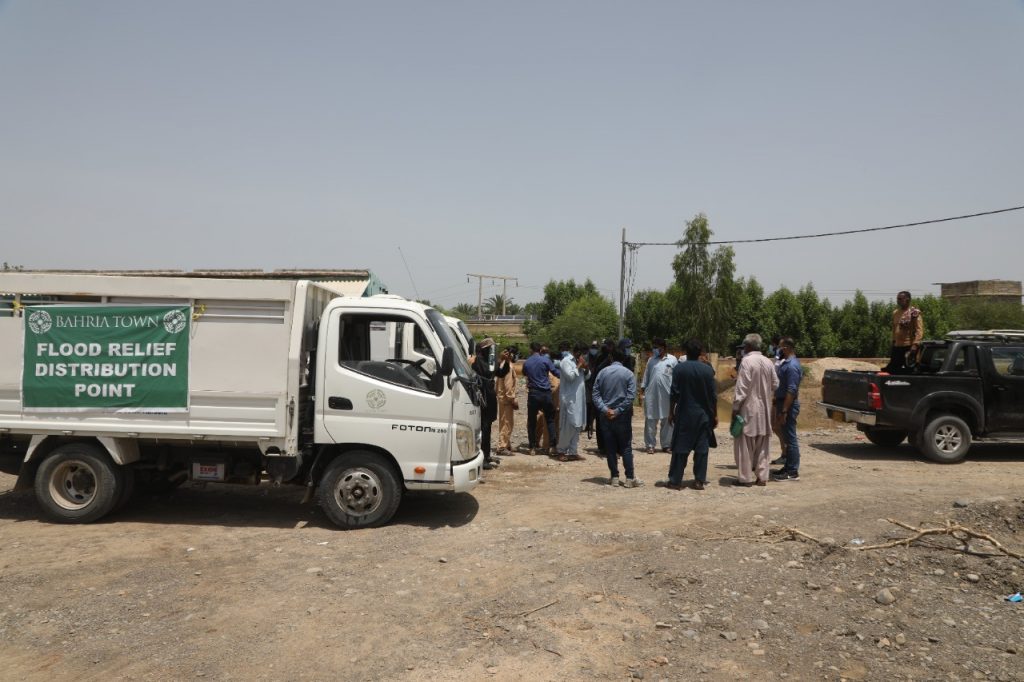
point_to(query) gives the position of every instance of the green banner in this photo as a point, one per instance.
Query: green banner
(107, 358)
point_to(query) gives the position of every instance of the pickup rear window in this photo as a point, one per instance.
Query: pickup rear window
(933, 358)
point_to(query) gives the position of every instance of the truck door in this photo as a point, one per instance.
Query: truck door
(1005, 396)
(374, 396)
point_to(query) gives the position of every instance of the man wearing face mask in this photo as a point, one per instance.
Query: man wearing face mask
(655, 392)
(591, 364)
(628, 359)
(602, 359)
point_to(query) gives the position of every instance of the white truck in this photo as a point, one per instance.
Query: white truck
(111, 381)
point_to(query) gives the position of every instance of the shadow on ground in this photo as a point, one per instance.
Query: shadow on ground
(257, 506)
(868, 452)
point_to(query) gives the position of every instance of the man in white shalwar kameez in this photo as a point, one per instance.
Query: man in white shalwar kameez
(572, 412)
(755, 385)
(655, 391)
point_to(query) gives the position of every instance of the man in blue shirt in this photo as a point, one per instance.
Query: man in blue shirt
(538, 395)
(787, 408)
(614, 392)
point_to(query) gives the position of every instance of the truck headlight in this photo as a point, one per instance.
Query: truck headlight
(464, 439)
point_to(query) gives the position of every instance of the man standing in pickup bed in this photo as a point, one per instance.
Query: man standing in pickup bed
(907, 333)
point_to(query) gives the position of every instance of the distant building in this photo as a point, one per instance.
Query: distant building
(982, 291)
(345, 282)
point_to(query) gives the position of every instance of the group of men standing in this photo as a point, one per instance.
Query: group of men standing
(679, 400)
(681, 411)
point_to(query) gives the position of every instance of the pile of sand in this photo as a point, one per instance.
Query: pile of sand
(814, 370)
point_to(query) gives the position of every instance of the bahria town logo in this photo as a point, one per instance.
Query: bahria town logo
(174, 321)
(40, 321)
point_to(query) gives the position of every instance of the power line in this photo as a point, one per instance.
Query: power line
(831, 234)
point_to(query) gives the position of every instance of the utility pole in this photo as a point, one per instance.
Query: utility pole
(480, 291)
(622, 285)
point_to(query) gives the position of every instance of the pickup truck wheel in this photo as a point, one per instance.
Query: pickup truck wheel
(359, 490)
(78, 483)
(946, 439)
(886, 438)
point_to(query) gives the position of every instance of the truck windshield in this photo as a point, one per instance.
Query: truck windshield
(444, 333)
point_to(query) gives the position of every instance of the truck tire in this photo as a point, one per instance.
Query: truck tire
(359, 490)
(946, 439)
(127, 489)
(78, 483)
(886, 438)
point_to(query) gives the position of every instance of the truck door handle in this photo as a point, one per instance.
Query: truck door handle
(336, 403)
(999, 387)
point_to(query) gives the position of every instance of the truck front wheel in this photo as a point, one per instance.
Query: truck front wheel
(78, 483)
(359, 490)
(886, 438)
(946, 439)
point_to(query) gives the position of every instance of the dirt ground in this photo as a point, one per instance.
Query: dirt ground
(543, 573)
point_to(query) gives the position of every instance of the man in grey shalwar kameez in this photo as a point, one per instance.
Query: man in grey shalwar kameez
(655, 391)
(572, 414)
(755, 385)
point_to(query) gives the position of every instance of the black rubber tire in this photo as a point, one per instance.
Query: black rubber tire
(886, 438)
(127, 489)
(946, 439)
(78, 483)
(359, 490)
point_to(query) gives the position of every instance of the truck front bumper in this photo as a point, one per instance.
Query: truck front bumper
(467, 475)
(845, 414)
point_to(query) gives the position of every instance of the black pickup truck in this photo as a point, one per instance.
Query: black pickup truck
(967, 387)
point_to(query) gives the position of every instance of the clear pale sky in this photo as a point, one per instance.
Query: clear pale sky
(513, 138)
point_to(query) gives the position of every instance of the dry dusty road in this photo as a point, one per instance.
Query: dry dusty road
(543, 573)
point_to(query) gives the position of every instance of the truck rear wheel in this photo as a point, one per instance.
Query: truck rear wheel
(886, 438)
(946, 439)
(78, 483)
(359, 490)
(127, 489)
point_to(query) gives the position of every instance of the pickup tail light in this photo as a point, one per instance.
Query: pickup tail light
(874, 397)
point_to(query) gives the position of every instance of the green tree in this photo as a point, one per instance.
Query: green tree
(463, 311)
(821, 340)
(749, 314)
(855, 328)
(987, 315)
(586, 318)
(881, 328)
(499, 305)
(704, 294)
(786, 316)
(559, 294)
(650, 315)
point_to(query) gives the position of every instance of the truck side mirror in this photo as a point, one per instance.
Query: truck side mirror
(447, 362)
(472, 346)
